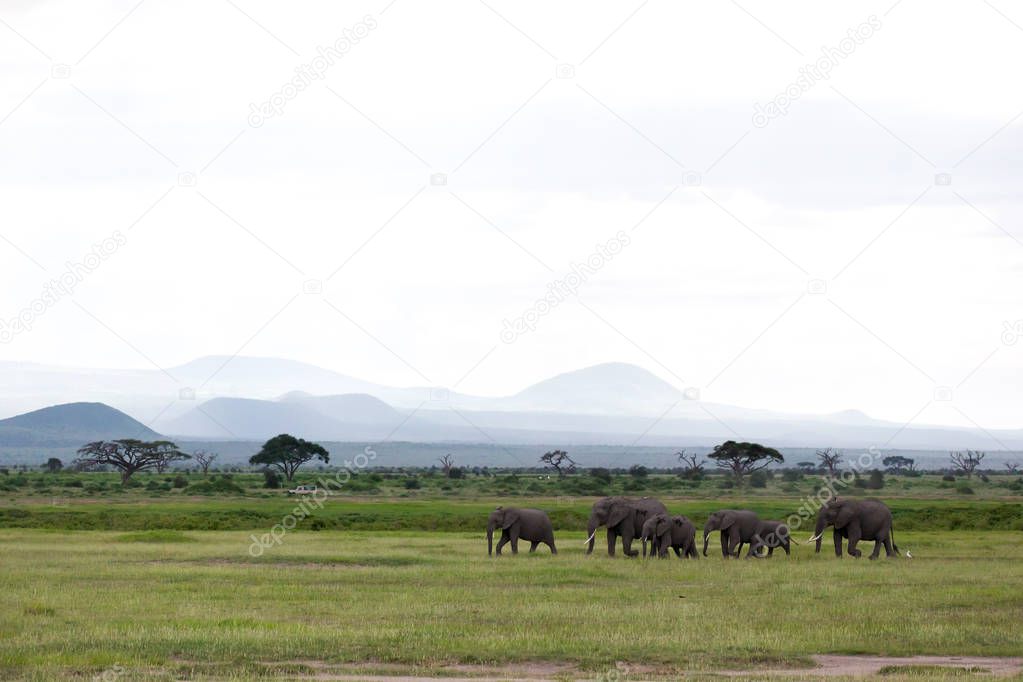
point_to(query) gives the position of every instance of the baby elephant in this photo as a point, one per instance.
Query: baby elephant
(774, 534)
(676, 532)
(528, 524)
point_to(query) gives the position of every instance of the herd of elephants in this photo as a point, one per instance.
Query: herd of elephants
(645, 518)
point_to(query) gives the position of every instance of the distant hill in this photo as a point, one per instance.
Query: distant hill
(71, 424)
(354, 416)
(612, 388)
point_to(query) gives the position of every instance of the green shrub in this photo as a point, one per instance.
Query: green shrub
(876, 480)
(271, 479)
(216, 485)
(412, 484)
(180, 481)
(758, 479)
(791, 476)
(964, 489)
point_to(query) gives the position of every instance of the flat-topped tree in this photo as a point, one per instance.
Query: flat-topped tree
(287, 453)
(128, 455)
(743, 458)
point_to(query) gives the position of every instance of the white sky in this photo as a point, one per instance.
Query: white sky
(712, 290)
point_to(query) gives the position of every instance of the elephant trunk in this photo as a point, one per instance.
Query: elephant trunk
(819, 531)
(490, 539)
(591, 530)
(706, 534)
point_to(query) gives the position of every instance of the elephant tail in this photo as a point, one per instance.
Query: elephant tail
(891, 534)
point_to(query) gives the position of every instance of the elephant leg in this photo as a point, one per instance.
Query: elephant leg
(514, 539)
(786, 547)
(627, 543)
(724, 546)
(877, 549)
(854, 539)
(550, 543)
(502, 542)
(888, 546)
(678, 553)
(532, 545)
(838, 543)
(770, 551)
(734, 542)
(756, 542)
(612, 539)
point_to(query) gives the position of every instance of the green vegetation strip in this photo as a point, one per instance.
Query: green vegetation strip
(452, 515)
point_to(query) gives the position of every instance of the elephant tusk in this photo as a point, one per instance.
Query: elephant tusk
(587, 540)
(815, 537)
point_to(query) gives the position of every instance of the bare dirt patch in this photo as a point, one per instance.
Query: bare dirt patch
(830, 665)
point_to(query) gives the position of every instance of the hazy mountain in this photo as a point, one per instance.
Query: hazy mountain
(71, 424)
(611, 388)
(222, 397)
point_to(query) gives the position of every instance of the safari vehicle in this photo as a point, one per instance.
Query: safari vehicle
(303, 490)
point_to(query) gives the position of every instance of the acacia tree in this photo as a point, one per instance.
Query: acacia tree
(743, 458)
(53, 465)
(966, 462)
(1012, 467)
(829, 459)
(691, 469)
(128, 455)
(897, 464)
(288, 453)
(559, 461)
(447, 463)
(204, 459)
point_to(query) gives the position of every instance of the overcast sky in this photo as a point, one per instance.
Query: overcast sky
(860, 249)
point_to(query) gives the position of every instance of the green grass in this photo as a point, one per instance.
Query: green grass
(163, 608)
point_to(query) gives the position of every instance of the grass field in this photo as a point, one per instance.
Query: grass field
(174, 604)
(144, 584)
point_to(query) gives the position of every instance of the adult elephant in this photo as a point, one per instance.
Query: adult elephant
(857, 520)
(676, 532)
(528, 524)
(623, 517)
(737, 526)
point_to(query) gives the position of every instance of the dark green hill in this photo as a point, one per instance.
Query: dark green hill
(71, 424)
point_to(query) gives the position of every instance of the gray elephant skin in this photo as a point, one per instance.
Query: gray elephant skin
(675, 532)
(624, 517)
(532, 525)
(775, 534)
(737, 526)
(856, 520)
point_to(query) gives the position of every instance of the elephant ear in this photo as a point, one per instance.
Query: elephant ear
(510, 517)
(727, 520)
(844, 516)
(618, 513)
(663, 525)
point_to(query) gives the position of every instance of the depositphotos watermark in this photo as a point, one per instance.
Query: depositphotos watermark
(315, 70)
(811, 74)
(61, 287)
(310, 502)
(829, 491)
(567, 286)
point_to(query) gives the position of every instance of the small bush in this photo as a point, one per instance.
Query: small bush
(180, 481)
(876, 480)
(412, 484)
(964, 489)
(271, 479)
(758, 479)
(726, 484)
(949, 478)
(791, 476)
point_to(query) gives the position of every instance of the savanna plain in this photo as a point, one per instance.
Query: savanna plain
(148, 582)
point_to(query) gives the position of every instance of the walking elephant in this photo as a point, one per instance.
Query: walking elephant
(623, 517)
(737, 527)
(528, 524)
(775, 534)
(676, 532)
(857, 520)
